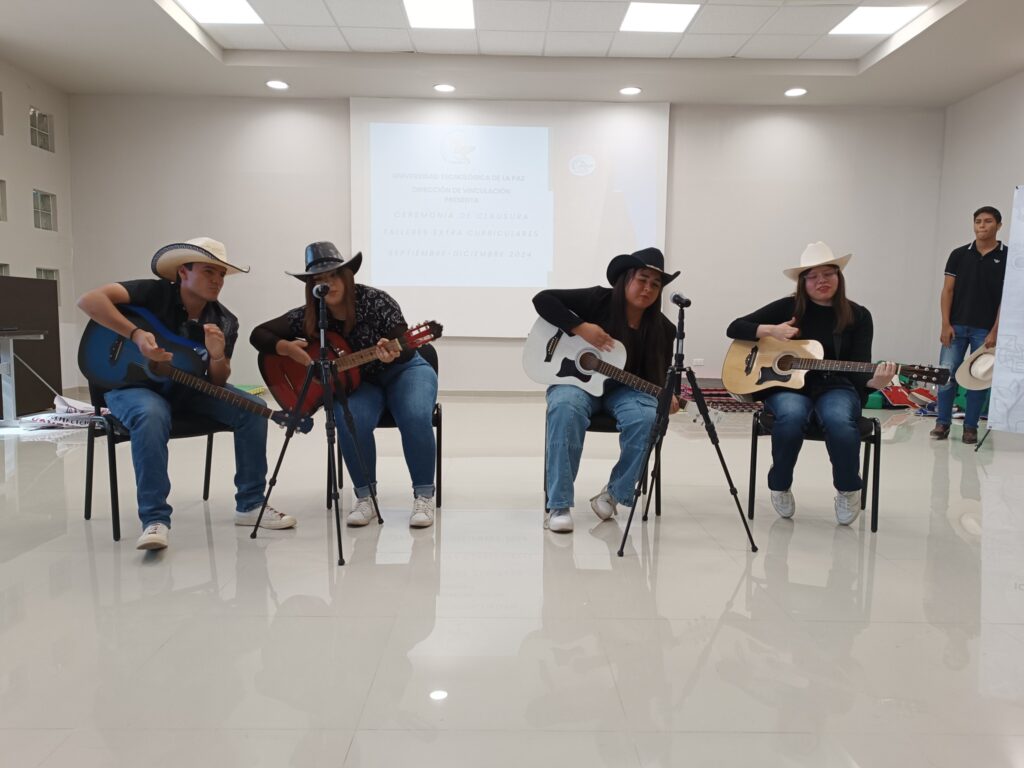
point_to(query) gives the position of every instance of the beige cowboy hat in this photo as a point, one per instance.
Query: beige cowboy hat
(816, 255)
(976, 370)
(198, 250)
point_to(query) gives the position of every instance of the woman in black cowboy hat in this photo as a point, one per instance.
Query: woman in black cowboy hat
(630, 312)
(404, 383)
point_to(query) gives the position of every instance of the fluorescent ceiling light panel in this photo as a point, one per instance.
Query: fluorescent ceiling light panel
(440, 14)
(658, 17)
(877, 20)
(220, 11)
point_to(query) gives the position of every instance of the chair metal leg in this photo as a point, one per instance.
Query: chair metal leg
(437, 459)
(115, 507)
(657, 479)
(753, 467)
(865, 473)
(877, 438)
(209, 461)
(89, 452)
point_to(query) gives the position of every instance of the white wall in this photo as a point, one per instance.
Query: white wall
(982, 163)
(25, 168)
(263, 176)
(748, 188)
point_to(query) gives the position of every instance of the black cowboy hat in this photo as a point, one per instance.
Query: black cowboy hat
(323, 257)
(646, 258)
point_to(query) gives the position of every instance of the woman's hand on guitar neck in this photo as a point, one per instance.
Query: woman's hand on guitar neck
(295, 349)
(783, 331)
(596, 335)
(385, 351)
(883, 376)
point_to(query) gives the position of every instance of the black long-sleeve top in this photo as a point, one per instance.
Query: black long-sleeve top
(818, 323)
(378, 316)
(567, 308)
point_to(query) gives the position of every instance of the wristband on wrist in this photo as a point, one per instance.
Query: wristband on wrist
(216, 359)
(131, 336)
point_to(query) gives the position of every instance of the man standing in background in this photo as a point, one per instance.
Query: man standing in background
(969, 304)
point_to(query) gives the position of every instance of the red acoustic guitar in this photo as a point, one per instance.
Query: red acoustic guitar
(284, 376)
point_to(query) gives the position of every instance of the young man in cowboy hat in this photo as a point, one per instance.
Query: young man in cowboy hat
(629, 312)
(969, 308)
(818, 310)
(184, 300)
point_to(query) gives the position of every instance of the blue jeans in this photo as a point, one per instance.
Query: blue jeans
(951, 357)
(409, 391)
(569, 412)
(147, 415)
(837, 411)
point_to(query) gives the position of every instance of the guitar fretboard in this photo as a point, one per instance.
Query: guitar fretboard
(363, 356)
(220, 393)
(630, 380)
(846, 366)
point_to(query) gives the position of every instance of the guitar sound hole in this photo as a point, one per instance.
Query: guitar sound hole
(784, 363)
(589, 361)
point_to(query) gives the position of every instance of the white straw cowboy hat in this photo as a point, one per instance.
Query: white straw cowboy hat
(198, 250)
(816, 255)
(976, 371)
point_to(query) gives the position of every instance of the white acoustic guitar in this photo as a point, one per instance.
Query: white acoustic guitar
(552, 356)
(751, 366)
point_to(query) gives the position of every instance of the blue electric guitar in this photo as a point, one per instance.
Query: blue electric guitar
(111, 361)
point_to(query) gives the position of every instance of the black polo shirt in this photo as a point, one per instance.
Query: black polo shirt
(163, 299)
(979, 285)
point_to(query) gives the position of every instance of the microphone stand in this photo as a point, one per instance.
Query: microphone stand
(660, 426)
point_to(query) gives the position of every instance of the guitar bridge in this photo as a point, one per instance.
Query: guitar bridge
(549, 348)
(748, 364)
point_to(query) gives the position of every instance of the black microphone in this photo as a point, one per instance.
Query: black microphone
(320, 290)
(679, 300)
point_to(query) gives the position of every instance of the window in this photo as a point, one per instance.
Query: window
(1, 113)
(44, 210)
(41, 128)
(5, 270)
(3, 200)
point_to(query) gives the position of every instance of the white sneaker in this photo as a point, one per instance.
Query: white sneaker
(784, 503)
(847, 506)
(361, 513)
(153, 537)
(558, 520)
(603, 504)
(422, 512)
(272, 519)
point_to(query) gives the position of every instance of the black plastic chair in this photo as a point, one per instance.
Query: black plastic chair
(428, 353)
(604, 422)
(116, 432)
(870, 435)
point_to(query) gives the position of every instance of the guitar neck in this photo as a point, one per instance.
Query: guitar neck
(220, 393)
(363, 356)
(842, 366)
(630, 380)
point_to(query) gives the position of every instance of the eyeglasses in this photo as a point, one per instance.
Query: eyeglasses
(814, 277)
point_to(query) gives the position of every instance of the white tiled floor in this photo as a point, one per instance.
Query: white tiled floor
(829, 647)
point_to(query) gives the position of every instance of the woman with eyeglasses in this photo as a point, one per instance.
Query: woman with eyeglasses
(818, 310)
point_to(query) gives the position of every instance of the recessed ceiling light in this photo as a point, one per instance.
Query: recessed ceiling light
(444, 88)
(439, 695)
(277, 85)
(794, 93)
(629, 90)
(440, 14)
(877, 20)
(658, 17)
(220, 11)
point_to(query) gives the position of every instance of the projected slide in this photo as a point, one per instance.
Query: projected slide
(465, 209)
(464, 205)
